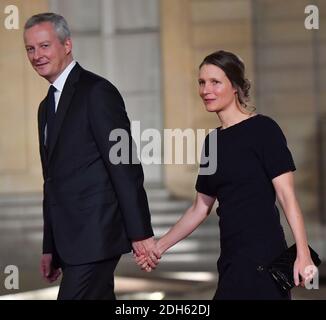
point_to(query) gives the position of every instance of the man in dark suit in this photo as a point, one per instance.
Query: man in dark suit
(94, 209)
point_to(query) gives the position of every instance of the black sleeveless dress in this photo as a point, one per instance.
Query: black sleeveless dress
(249, 155)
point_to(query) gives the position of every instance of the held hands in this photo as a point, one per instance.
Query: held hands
(146, 254)
(48, 272)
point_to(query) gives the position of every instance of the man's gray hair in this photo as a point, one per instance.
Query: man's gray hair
(59, 23)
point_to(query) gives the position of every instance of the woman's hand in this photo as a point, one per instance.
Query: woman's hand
(189, 221)
(144, 260)
(304, 270)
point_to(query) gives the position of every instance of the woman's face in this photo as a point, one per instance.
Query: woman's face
(215, 88)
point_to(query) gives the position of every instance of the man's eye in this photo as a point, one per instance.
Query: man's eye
(44, 45)
(200, 82)
(29, 50)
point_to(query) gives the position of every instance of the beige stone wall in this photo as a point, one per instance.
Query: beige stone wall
(320, 81)
(288, 87)
(285, 62)
(191, 29)
(21, 91)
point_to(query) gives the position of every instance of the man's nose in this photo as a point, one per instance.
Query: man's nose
(36, 55)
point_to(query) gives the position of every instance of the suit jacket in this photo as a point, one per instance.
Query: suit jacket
(92, 208)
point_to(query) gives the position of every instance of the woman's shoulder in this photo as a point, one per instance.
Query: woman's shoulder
(264, 119)
(268, 127)
(266, 122)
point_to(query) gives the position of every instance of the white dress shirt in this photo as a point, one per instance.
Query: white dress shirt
(59, 84)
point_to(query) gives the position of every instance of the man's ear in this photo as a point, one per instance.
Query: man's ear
(68, 46)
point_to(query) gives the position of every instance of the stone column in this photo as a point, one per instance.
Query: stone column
(290, 67)
(119, 39)
(191, 29)
(21, 91)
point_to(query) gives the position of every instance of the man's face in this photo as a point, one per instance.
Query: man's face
(48, 56)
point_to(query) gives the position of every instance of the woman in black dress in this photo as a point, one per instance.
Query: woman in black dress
(254, 165)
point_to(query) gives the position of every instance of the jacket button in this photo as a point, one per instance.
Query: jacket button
(260, 268)
(48, 179)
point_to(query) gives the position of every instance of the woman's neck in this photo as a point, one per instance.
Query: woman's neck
(229, 118)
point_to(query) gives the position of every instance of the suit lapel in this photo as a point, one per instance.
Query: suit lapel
(63, 106)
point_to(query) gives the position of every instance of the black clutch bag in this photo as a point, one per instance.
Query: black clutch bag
(281, 268)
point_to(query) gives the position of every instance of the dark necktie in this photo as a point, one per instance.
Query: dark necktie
(50, 114)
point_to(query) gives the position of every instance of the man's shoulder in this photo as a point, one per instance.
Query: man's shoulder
(91, 79)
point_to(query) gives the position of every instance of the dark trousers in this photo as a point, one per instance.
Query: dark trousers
(91, 281)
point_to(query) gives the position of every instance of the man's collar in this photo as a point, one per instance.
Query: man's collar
(60, 81)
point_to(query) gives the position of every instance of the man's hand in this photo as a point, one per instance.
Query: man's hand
(48, 272)
(148, 251)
